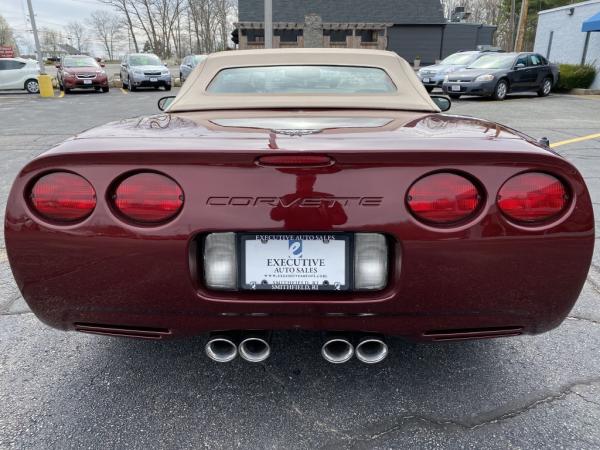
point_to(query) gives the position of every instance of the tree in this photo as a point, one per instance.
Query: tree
(78, 33)
(51, 41)
(108, 29)
(7, 36)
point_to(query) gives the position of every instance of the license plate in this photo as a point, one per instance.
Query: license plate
(153, 80)
(87, 81)
(295, 262)
(456, 87)
(426, 80)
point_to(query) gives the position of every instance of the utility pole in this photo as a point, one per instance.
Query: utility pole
(268, 23)
(522, 24)
(36, 38)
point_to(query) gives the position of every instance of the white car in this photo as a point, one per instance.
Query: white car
(19, 73)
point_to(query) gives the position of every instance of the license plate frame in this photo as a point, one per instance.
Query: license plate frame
(87, 81)
(426, 80)
(153, 80)
(346, 238)
(455, 88)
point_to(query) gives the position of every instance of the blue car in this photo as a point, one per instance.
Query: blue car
(188, 64)
(433, 76)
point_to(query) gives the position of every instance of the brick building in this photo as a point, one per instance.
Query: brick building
(412, 28)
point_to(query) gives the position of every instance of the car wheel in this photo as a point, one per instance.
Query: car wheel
(125, 86)
(32, 86)
(168, 87)
(546, 87)
(67, 90)
(454, 96)
(131, 87)
(105, 89)
(428, 88)
(181, 79)
(500, 90)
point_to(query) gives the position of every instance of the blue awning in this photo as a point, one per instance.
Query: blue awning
(591, 24)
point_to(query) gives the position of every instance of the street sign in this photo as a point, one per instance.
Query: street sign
(7, 51)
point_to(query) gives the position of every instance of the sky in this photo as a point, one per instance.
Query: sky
(48, 13)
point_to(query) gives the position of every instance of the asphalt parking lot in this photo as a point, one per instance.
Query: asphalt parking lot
(68, 390)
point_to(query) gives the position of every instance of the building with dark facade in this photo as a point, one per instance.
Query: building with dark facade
(411, 28)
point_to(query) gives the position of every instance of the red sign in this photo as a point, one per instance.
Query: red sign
(7, 51)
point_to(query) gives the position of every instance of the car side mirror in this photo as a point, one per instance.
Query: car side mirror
(102, 65)
(520, 66)
(165, 102)
(57, 66)
(442, 102)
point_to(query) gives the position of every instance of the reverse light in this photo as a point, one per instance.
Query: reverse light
(486, 77)
(220, 261)
(443, 198)
(532, 197)
(370, 261)
(148, 197)
(63, 197)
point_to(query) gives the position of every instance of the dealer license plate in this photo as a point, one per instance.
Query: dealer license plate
(295, 262)
(426, 80)
(87, 81)
(153, 80)
(456, 87)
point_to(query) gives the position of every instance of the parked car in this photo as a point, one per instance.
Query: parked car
(19, 73)
(144, 70)
(188, 64)
(301, 189)
(433, 76)
(81, 72)
(497, 75)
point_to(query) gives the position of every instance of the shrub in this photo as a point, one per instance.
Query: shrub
(575, 76)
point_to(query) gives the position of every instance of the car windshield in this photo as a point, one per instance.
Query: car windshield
(460, 59)
(493, 62)
(144, 60)
(299, 79)
(84, 61)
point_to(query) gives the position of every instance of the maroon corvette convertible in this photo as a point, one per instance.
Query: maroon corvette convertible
(301, 189)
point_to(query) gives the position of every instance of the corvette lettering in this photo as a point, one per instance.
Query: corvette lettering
(300, 202)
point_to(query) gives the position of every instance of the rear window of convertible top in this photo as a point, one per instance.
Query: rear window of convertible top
(298, 79)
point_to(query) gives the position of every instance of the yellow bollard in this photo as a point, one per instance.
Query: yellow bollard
(46, 88)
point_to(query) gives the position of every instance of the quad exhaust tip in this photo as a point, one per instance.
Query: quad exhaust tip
(337, 350)
(254, 349)
(221, 349)
(371, 350)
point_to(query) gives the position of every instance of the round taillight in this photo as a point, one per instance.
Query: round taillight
(148, 197)
(443, 198)
(532, 197)
(63, 197)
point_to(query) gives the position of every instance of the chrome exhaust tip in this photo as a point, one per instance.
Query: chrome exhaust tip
(255, 348)
(221, 349)
(337, 350)
(371, 350)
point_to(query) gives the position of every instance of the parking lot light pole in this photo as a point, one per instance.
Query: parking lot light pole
(268, 23)
(44, 80)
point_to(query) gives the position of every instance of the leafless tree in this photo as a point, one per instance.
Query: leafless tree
(178, 27)
(108, 28)
(51, 41)
(79, 35)
(6, 33)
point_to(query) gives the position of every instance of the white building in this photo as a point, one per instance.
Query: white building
(560, 38)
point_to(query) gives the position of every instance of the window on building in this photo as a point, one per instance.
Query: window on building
(368, 35)
(337, 36)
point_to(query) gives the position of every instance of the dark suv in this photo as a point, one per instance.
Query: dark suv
(499, 74)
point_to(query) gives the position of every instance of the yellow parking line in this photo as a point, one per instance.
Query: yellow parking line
(574, 140)
(62, 94)
(124, 91)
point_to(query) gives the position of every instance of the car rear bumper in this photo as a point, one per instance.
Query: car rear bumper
(470, 281)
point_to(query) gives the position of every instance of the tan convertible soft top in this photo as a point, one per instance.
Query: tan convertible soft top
(410, 94)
